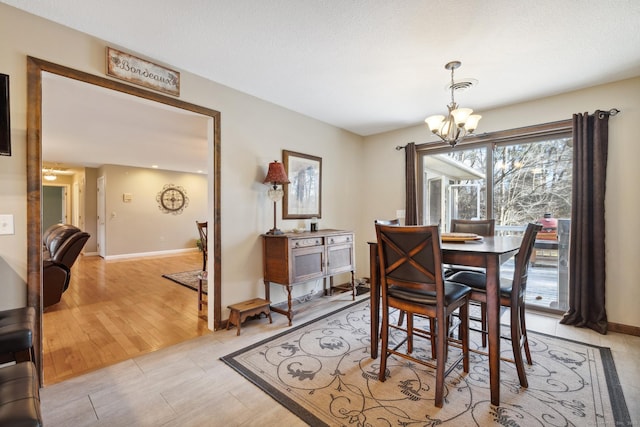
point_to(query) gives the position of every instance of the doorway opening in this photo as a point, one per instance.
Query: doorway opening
(35, 69)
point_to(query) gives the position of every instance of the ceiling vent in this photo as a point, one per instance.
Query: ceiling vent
(461, 85)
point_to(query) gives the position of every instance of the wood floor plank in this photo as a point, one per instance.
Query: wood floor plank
(116, 310)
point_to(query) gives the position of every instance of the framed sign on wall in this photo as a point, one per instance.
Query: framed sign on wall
(144, 73)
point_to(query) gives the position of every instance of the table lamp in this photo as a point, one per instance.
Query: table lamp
(275, 176)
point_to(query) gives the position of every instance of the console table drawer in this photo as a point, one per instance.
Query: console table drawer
(305, 243)
(336, 240)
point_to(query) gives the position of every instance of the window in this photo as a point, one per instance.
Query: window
(516, 177)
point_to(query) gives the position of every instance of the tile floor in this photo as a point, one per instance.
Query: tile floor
(187, 384)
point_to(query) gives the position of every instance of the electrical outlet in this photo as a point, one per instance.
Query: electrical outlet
(6, 224)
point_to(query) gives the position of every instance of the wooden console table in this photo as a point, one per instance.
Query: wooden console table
(294, 258)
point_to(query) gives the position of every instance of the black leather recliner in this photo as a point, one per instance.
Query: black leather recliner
(63, 244)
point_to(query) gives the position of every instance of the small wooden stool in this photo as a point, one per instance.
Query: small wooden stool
(242, 310)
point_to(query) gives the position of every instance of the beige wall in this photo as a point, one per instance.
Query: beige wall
(138, 227)
(359, 184)
(383, 171)
(253, 132)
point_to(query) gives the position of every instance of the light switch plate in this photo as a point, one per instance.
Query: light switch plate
(6, 224)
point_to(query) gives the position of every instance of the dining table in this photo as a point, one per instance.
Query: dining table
(488, 253)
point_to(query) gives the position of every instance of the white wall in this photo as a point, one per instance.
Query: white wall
(383, 170)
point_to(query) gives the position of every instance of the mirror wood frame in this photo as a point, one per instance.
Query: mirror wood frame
(35, 67)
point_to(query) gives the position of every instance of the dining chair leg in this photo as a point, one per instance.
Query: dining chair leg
(464, 336)
(525, 338)
(199, 294)
(409, 333)
(483, 321)
(516, 346)
(432, 336)
(384, 336)
(441, 339)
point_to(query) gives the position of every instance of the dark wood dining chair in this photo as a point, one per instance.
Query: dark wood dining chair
(481, 227)
(512, 294)
(411, 281)
(202, 277)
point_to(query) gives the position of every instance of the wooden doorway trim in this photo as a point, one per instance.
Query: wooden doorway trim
(35, 67)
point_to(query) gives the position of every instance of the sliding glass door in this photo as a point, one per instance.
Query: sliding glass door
(515, 183)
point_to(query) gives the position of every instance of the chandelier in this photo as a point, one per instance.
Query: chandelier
(459, 121)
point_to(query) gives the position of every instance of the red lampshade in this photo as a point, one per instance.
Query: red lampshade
(276, 174)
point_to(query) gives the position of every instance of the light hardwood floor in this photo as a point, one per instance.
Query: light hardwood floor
(118, 310)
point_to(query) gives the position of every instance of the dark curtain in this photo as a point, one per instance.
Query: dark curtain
(411, 208)
(587, 255)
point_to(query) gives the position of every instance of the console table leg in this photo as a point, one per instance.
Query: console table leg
(289, 305)
(353, 286)
(267, 290)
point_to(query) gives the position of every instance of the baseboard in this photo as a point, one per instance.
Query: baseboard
(149, 254)
(624, 329)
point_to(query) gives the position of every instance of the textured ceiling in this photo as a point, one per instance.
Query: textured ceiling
(370, 66)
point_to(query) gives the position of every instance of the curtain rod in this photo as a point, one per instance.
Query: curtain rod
(400, 147)
(611, 112)
(601, 115)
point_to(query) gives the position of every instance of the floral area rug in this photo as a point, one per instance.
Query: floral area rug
(188, 279)
(322, 371)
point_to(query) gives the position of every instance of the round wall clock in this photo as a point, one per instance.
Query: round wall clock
(172, 199)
